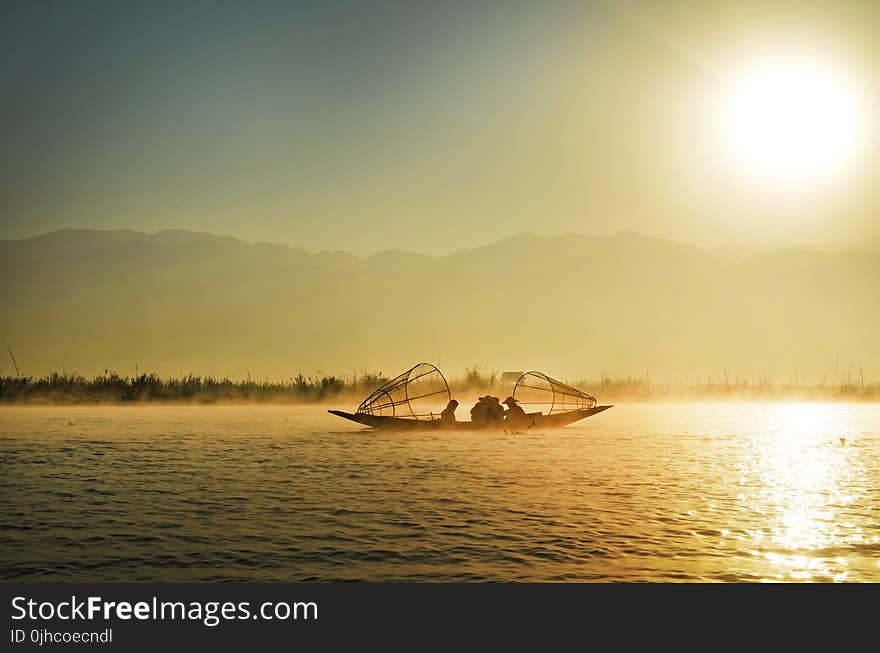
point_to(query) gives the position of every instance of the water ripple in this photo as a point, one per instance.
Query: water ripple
(669, 493)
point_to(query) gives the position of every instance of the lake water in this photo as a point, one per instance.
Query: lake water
(643, 492)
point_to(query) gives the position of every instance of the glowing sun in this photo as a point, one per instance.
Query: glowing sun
(790, 120)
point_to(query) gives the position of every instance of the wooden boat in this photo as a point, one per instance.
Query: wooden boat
(537, 420)
(409, 402)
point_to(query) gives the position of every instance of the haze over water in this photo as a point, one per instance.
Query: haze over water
(644, 492)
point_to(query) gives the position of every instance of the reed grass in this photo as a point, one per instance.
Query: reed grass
(111, 388)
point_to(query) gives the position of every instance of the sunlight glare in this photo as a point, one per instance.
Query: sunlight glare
(806, 481)
(790, 120)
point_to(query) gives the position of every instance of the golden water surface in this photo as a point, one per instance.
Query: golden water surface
(643, 492)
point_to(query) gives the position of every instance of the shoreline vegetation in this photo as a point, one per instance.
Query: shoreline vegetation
(111, 388)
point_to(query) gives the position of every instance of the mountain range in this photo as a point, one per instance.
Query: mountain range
(576, 306)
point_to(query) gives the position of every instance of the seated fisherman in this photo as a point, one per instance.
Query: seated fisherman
(480, 411)
(495, 410)
(448, 414)
(514, 415)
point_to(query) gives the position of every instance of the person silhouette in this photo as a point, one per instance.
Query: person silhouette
(515, 416)
(496, 411)
(448, 414)
(480, 411)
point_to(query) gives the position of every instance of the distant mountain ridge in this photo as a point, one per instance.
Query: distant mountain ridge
(179, 301)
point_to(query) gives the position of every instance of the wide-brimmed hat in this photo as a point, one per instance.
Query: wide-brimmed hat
(509, 400)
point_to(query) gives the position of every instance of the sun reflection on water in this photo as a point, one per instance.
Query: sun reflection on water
(805, 480)
(686, 492)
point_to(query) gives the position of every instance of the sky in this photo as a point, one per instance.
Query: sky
(426, 126)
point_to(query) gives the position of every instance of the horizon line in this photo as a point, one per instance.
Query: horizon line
(863, 245)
